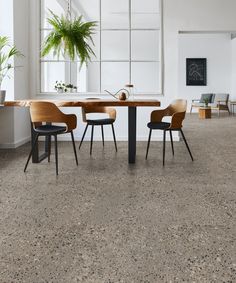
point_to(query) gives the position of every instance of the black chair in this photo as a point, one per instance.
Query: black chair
(177, 112)
(46, 112)
(98, 122)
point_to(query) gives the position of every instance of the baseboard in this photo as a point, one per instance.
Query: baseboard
(78, 138)
(124, 138)
(15, 144)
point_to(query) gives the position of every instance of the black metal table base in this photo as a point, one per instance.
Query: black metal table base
(36, 158)
(132, 112)
(132, 134)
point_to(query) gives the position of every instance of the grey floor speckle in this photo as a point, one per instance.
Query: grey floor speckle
(106, 222)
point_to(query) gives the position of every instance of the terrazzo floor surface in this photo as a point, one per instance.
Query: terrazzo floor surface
(106, 222)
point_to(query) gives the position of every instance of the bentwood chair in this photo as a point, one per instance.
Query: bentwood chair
(111, 112)
(177, 112)
(43, 114)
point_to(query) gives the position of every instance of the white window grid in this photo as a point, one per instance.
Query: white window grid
(100, 61)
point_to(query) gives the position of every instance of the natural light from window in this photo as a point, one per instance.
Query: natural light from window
(128, 47)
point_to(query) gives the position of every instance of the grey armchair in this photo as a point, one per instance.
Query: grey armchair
(220, 103)
(196, 103)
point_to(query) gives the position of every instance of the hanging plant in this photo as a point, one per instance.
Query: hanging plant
(70, 37)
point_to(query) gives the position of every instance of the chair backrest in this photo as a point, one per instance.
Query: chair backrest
(45, 112)
(97, 109)
(178, 105)
(42, 111)
(177, 109)
(208, 96)
(222, 97)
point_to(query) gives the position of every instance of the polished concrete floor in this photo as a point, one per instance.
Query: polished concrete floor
(106, 222)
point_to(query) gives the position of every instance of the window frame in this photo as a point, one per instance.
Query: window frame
(100, 61)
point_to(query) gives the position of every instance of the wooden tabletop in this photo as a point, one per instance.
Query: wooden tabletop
(87, 102)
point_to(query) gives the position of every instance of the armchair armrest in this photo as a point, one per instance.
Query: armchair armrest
(222, 101)
(70, 121)
(157, 115)
(177, 119)
(111, 112)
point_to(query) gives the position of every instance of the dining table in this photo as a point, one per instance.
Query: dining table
(132, 117)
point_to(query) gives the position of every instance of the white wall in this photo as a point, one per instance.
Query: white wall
(233, 96)
(21, 80)
(7, 116)
(217, 49)
(191, 15)
(14, 122)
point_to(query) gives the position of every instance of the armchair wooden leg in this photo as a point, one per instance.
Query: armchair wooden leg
(185, 141)
(91, 142)
(31, 151)
(191, 109)
(164, 146)
(73, 142)
(114, 136)
(83, 136)
(56, 154)
(172, 144)
(148, 144)
(102, 135)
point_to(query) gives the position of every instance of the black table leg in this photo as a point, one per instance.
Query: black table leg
(36, 158)
(132, 134)
(35, 153)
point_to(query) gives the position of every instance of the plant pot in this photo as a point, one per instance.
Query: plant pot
(2, 96)
(60, 90)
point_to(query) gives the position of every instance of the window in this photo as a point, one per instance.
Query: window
(128, 46)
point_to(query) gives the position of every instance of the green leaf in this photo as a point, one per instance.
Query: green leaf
(69, 38)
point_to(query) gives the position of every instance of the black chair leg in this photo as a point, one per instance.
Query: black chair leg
(186, 144)
(31, 151)
(49, 148)
(148, 144)
(172, 144)
(102, 135)
(114, 136)
(56, 154)
(91, 142)
(164, 146)
(83, 136)
(73, 142)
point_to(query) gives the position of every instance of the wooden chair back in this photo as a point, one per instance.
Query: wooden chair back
(47, 112)
(178, 105)
(177, 110)
(97, 109)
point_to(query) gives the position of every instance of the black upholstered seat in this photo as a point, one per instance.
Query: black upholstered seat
(50, 129)
(108, 120)
(99, 122)
(158, 125)
(176, 111)
(43, 115)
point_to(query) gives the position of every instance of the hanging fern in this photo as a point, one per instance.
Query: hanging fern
(70, 38)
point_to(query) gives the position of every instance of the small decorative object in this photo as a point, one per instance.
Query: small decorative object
(5, 64)
(130, 88)
(206, 101)
(69, 37)
(70, 87)
(61, 87)
(121, 94)
(196, 72)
